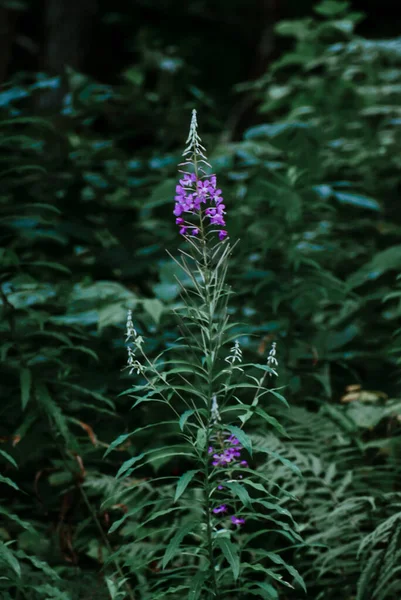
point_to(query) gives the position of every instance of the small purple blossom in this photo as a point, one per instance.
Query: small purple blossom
(229, 454)
(226, 457)
(237, 520)
(233, 441)
(210, 450)
(220, 509)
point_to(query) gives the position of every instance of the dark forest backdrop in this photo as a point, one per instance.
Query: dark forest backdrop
(299, 107)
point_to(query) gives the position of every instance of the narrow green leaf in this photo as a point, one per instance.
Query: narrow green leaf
(184, 417)
(183, 483)
(271, 420)
(8, 481)
(39, 564)
(275, 507)
(176, 541)
(128, 464)
(230, 552)
(241, 436)
(13, 517)
(240, 491)
(284, 461)
(50, 265)
(114, 444)
(291, 570)
(265, 587)
(279, 397)
(268, 572)
(8, 557)
(123, 437)
(162, 513)
(201, 439)
(9, 458)
(25, 384)
(196, 587)
(51, 408)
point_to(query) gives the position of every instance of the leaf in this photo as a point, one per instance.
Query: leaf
(386, 260)
(52, 409)
(9, 458)
(128, 464)
(13, 517)
(275, 129)
(50, 265)
(279, 397)
(365, 417)
(184, 417)
(240, 491)
(183, 482)
(25, 384)
(196, 587)
(331, 8)
(115, 443)
(39, 564)
(271, 420)
(201, 439)
(241, 436)
(357, 200)
(8, 481)
(154, 308)
(268, 588)
(284, 461)
(8, 557)
(291, 570)
(176, 541)
(230, 552)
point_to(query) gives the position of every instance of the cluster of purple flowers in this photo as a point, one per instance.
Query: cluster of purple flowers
(229, 456)
(191, 193)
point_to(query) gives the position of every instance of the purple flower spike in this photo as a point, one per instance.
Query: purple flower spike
(237, 520)
(195, 190)
(210, 450)
(220, 509)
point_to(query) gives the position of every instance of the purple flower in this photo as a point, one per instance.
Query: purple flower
(210, 450)
(220, 487)
(220, 509)
(237, 520)
(243, 463)
(233, 440)
(191, 193)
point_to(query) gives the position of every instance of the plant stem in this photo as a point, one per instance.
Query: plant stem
(106, 541)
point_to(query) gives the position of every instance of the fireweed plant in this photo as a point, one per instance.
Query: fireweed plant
(206, 533)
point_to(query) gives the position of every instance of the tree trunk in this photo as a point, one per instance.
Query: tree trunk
(67, 38)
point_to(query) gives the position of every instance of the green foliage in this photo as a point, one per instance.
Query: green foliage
(85, 217)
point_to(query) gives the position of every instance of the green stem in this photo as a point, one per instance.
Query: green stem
(105, 540)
